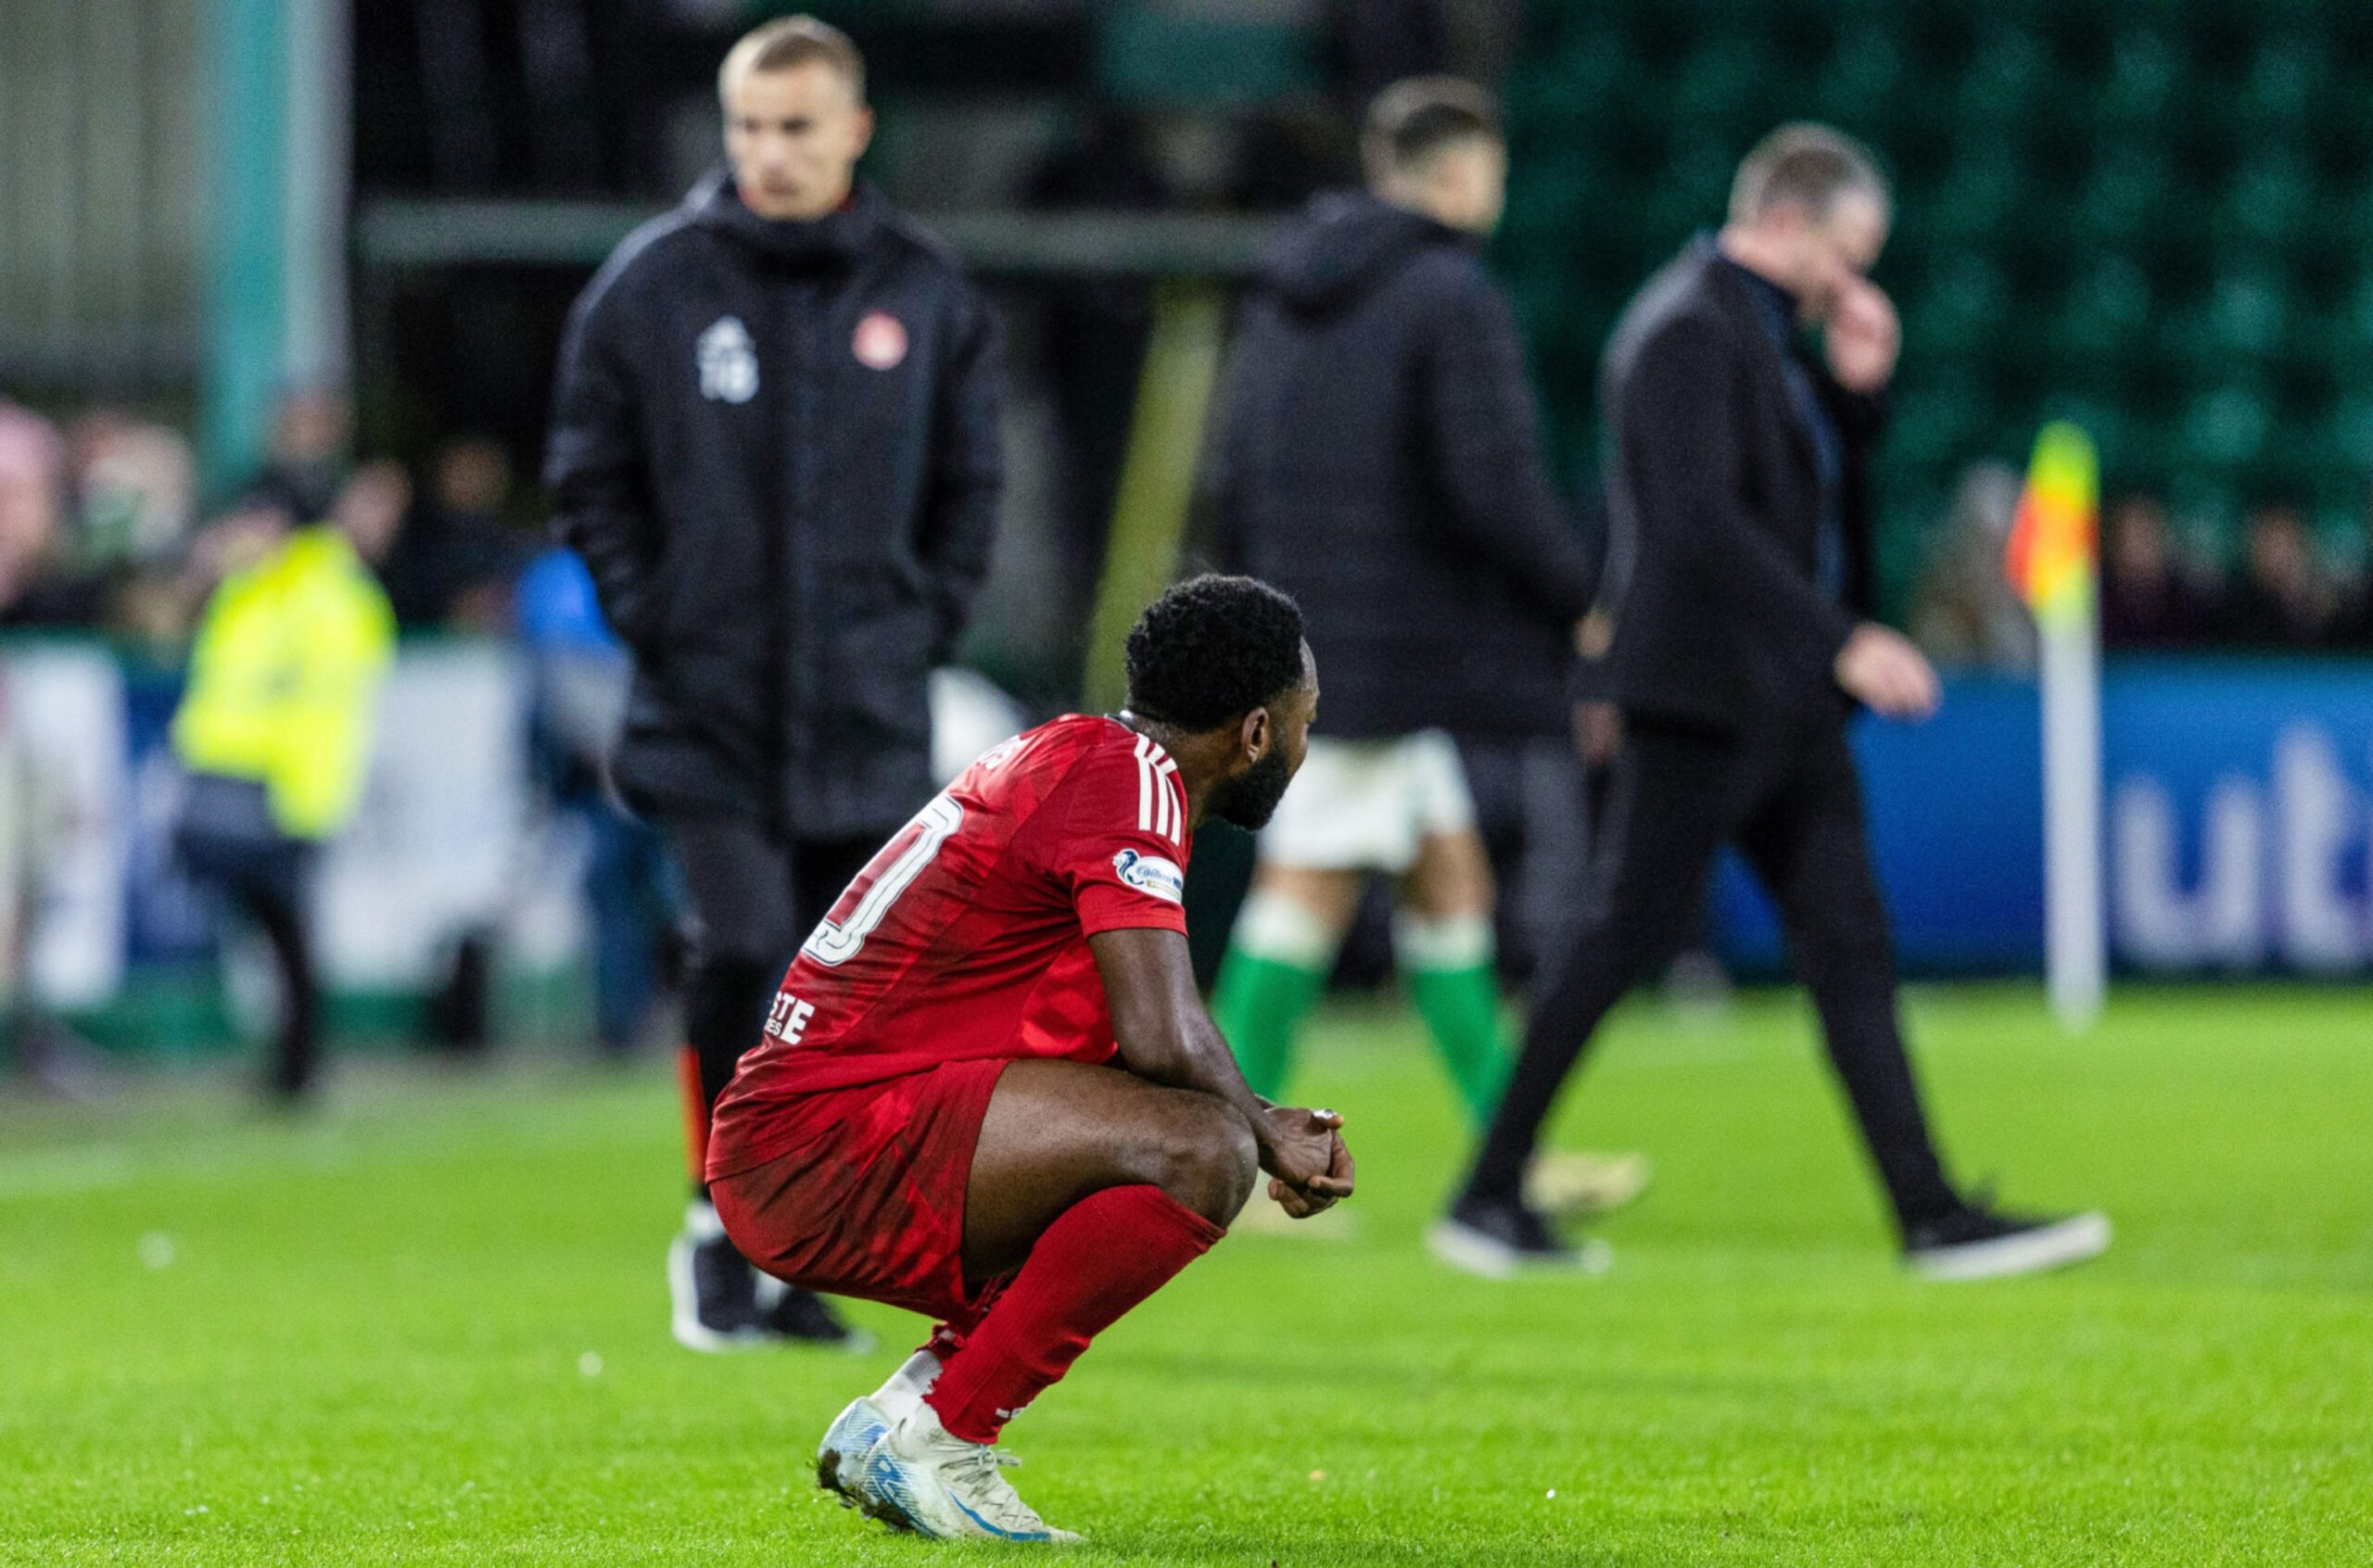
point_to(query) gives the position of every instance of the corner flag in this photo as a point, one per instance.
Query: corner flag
(2052, 561)
(2054, 540)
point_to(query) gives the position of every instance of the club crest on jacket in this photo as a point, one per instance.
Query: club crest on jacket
(881, 341)
(729, 361)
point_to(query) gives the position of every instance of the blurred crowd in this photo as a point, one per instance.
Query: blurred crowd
(2165, 587)
(103, 530)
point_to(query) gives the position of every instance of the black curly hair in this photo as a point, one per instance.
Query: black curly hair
(1212, 649)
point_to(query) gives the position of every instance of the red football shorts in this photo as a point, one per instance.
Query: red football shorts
(869, 1202)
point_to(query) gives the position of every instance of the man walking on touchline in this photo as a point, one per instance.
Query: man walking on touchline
(1720, 664)
(1381, 464)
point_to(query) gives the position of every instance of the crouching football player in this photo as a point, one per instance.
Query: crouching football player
(988, 1091)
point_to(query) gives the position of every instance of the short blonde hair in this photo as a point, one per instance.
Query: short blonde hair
(793, 40)
(1807, 165)
(1415, 117)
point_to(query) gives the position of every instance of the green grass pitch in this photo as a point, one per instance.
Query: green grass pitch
(427, 1326)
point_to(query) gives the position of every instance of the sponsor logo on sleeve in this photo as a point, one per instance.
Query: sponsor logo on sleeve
(1151, 874)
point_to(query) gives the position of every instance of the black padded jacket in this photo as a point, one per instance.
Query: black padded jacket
(776, 445)
(1380, 461)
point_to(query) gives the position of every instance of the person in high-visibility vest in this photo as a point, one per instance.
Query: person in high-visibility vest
(274, 730)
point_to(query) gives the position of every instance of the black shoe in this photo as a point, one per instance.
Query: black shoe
(1503, 1238)
(1976, 1243)
(714, 1290)
(806, 1317)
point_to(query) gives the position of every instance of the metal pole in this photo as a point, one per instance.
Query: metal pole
(2076, 955)
(247, 280)
(319, 64)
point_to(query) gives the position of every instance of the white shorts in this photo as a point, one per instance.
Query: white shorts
(1363, 805)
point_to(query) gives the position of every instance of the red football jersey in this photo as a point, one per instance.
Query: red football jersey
(966, 936)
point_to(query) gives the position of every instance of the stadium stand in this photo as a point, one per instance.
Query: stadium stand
(2154, 220)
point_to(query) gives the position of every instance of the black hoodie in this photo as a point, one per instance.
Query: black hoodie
(1380, 464)
(776, 444)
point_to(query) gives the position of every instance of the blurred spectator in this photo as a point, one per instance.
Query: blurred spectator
(134, 486)
(370, 509)
(1964, 611)
(458, 559)
(309, 460)
(34, 589)
(275, 727)
(2285, 597)
(255, 526)
(581, 674)
(2151, 596)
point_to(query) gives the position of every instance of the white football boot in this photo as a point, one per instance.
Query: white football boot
(849, 1441)
(919, 1477)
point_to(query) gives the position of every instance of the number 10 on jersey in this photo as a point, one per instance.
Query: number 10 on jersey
(833, 944)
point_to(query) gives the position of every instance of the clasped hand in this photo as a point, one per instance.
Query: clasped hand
(1303, 1150)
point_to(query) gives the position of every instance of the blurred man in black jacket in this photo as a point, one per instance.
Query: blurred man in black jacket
(1380, 463)
(777, 447)
(1720, 661)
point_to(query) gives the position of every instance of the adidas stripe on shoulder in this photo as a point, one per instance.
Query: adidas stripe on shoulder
(1162, 800)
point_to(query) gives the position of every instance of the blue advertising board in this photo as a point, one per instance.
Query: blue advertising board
(2239, 837)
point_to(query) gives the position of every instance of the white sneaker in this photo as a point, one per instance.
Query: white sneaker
(848, 1443)
(1500, 1241)
(1978, 1243)
(919, 1477)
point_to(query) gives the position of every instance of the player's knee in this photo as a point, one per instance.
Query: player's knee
(1209, 1160)
(1452, 879)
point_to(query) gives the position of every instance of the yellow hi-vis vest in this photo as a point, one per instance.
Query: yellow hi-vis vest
(284, 678)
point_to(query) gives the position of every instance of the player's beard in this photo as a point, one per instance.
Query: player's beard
(1250, 799)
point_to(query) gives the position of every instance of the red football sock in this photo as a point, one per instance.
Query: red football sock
(1101, 1257)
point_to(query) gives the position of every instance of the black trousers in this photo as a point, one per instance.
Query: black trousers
(226, 841)
(751, 898)
(1789, 799)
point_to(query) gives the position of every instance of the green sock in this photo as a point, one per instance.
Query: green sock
(1277, 959)
(1447, 966)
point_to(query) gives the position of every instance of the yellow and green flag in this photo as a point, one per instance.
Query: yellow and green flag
(2055, 540)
